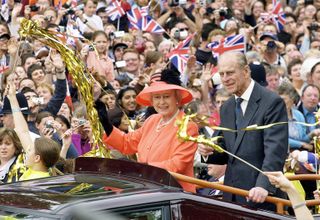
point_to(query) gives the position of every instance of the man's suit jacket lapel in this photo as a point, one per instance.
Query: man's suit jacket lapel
(230, 121)
(252, 107)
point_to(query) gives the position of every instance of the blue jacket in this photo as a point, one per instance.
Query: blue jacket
(297, 132)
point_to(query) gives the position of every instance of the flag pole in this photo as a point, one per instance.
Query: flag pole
(118, 24)
(259, 24)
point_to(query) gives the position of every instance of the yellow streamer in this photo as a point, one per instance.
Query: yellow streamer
(257, 127)
(83, 80)
(182, 134)
(81, 187)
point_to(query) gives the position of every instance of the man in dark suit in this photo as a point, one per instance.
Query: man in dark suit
(266, 149)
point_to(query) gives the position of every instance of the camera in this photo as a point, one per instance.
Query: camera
(34, 8)
(62, 29)
(82, 121)
(116, 34)
(225, 13)
(313, 27)
(48, 124)
(120, 64)
(38, 100)
(180, 35)
(111, 36)
(91, 48)
(271, 45)
(175, 3)
(48, 18)
(202, 3)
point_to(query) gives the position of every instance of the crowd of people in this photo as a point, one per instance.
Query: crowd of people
(140, 91)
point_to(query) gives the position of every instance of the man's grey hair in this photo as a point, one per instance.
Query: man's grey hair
(240, 57)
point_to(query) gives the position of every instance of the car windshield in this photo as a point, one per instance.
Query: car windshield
(46, 195)
(85, 185)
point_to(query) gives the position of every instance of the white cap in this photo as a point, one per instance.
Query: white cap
(303, 156)
(307, 66)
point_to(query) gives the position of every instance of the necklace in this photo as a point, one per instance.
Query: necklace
(162, 124)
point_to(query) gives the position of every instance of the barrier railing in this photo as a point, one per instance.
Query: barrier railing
(280, 203)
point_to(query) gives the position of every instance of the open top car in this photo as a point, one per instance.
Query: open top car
(115, 189)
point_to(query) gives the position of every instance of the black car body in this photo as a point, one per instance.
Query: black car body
(113, 189)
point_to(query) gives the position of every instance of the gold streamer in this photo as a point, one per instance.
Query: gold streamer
(255, 126)
(81, 187)
(83, 80)
(182, 134)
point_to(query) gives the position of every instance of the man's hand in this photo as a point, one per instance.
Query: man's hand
(205, 150)
(257, 194)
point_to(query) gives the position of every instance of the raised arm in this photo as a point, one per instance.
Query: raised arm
(21, 126)
(298, 203)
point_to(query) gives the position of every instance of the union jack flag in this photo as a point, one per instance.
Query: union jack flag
(5, 10)
(135, 18)
(114, 10)
(277, 15)
(179, 56)
(140, 20)
(144, 11)
(72, 34)
(234, 43)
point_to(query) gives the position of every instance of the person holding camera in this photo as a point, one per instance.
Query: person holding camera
(50, 128)
(178, 18)
(87, 20)
(271, 48)
(56, 100)
(81, 130)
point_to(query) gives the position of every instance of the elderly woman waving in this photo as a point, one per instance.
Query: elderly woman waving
(156, 142)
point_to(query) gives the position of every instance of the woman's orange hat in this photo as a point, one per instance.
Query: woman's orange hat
(145, 96)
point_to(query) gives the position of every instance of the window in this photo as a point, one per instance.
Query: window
(155, 212)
